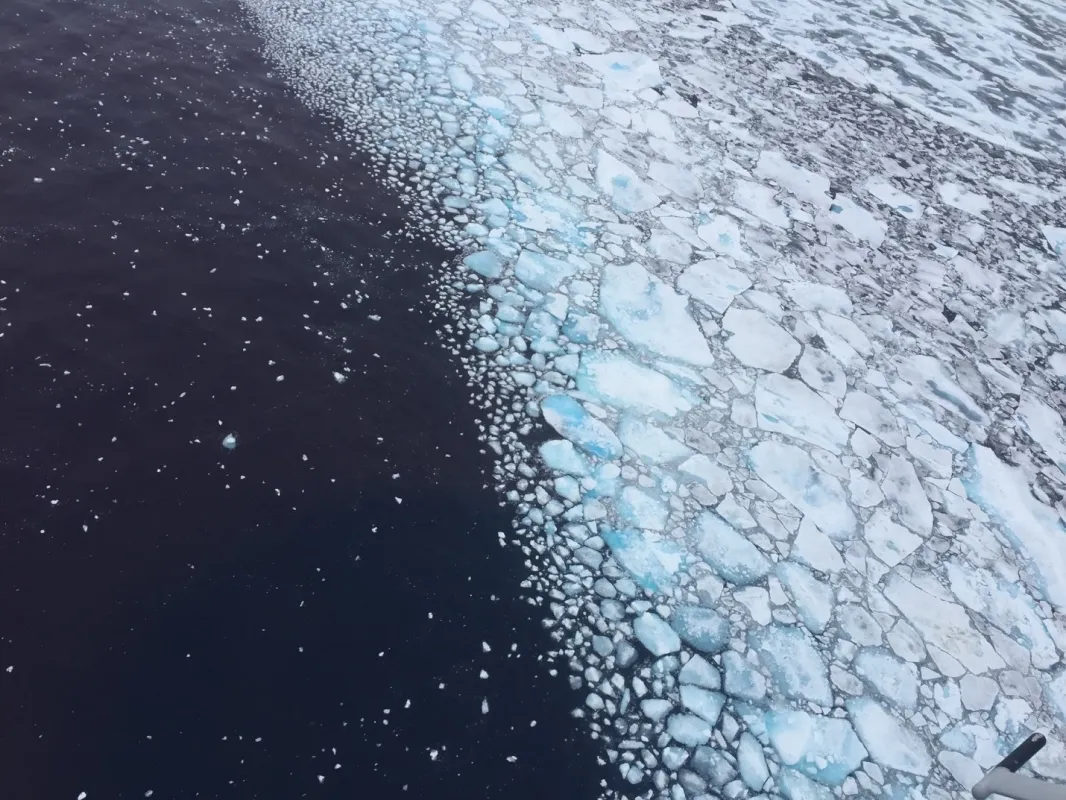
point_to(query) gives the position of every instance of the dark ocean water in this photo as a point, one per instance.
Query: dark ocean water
(193, 622)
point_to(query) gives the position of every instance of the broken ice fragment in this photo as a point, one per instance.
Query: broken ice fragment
(656, 634)
(796, 668)
(759, 342)
(890, 742)
(229, 441)
(618, 181)
(787, 406)
(714, 283)
(824, 748)
(701, 628)
(573, 422)
(623, 383)
(731, 555)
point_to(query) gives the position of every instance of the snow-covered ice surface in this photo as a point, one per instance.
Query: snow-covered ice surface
(791, 319)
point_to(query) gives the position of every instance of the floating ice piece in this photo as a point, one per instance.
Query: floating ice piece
(650, 314)
(811, 296)
(561, 121)
(701, 627)
(713, 766)
(742, 679)
(903, 204)
(722, 234)
(1003, 493)
(759, 201)
(650, 442)
(759, 342)
(582, 327)
(822, 372)
(1005, 605)
(901, 486)
(933, 382)
(485, 263)
(713, 282)
(560, 455)
(753, 769)
(858, 625)
(803, 183)
(639, 509)
(698, 671)
(688, 729)
(653, 562)
(714, 477)
(889, 541)
(731, 555)
(628, 193)
(869, 414)
(791, 472)
(573, 422)
(620, 382)
(813, 548)
(856, 220)
(656, 634)
(625, 70)
(796, 669)
(702, 702)
(680, 180)
(890, 742)
(812, 597)
(959, 197)
(824, 748)
(487, 12)
(921, 417)
(1056, 237)
(943, 625)
(541, 272)
(894, 680)
(1045, 427)
(797, 786)
(787, 406)
(229, 441)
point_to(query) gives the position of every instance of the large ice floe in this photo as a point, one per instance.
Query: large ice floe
(769, 332)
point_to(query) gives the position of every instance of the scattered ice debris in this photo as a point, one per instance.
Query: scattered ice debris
(794, 513)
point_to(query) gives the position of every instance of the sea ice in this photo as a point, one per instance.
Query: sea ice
(701, 627)
(651, 314)
(656, 634)
(573, 422)
(688, 729)
(869, 414)
(702, 702)
(790, 471)
(731, 555)
(796, 669)
(812, 597)
(787, 406)
(623, 383)
(714, 283)
(641, 510)
(902, 487)
(824, 748)
(618, 181)
(650, 442)
(894, 680)
(888, 540)
(759, 342)
(651, 561)
(813, 548)
(890, 742)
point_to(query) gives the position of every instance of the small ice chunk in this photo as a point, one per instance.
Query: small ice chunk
(650, 314)
(868, 413)
(722, 234)
(560, 455)
(1035, 530)
(639, 509)
(714, 283)
(888, 540)
(790, 471)
(796, 668)
(903, 204)
(891, 743)
(759, 342)
(623, 383)
(813, 548)
(731, 555)
(812, 597)
(753, 769)
(656, 634)
(956, 196)
(229, 441)
(902, 487)
(858, 625)
(573, 422)
(856, 220)
(625, 71)
(787, 406)
(688, 729)
(822, 372)
(650, 442)
(698, 671)
(825, 748)
(1045, 427)
(628, 193)
(701, 628)
(894, 680)
(651, 561)
(943, 625)
(978, 692)
(804, 184)
(714, 477)
(485, 263)
(811, 296)
(797, 786)
(542, 272)
(702, 702)
(931, 380)
(742, 679)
